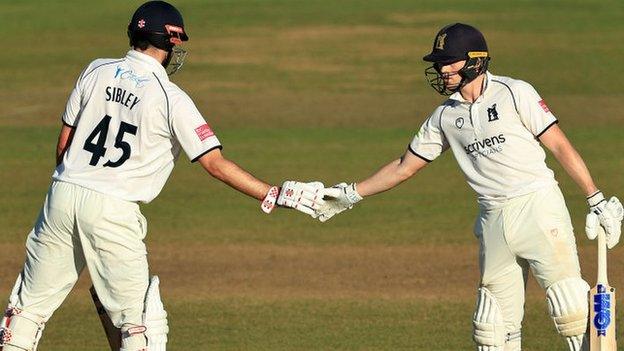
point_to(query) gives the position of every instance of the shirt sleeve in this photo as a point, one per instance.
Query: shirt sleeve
(190, 128)
(430, 142)
(533, 111)
(74, 103)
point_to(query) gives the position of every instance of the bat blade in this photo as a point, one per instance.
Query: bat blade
(113, 334)
(602, 318)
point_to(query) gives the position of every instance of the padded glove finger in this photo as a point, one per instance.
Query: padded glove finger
(591, 225)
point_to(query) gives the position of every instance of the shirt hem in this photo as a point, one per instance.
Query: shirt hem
(220, 147)
(409, 147)
(498, 203)
(547, 128)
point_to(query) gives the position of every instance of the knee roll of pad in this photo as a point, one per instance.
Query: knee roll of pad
(21, 329)
(489, 329)
(567, 302)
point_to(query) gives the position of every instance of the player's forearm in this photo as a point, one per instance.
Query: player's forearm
(64, 140)
(574, 165)
(60, 151)
(59, 154)
(385, 179)
(557, 142)
(236, 177)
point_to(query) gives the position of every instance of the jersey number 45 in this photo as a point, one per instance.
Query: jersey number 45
(98, 149)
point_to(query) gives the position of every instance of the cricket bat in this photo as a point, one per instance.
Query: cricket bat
(602, 304)
(113, 334)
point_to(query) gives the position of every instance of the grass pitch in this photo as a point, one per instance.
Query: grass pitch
(326, 90)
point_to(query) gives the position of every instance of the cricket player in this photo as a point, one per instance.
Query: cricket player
(494, 126)
(124, 126)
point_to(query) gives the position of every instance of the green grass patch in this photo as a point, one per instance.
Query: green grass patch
(247, 324)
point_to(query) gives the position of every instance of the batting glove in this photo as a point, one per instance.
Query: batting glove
(339, 198)
(304, 197)
(605, 214)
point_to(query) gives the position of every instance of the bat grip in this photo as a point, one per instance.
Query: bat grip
(602, 256)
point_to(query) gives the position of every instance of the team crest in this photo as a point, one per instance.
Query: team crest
(459, 122)
(492, 113)
(440, 41)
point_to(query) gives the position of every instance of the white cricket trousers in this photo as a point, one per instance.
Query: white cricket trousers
(531, 231)
(78, 227)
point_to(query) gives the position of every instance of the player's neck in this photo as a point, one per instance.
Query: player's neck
(474, 89)
(157, 54)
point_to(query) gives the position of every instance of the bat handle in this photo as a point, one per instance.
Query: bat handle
(602, 256)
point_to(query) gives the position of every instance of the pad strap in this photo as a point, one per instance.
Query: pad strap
(21, 329)
(5, 332)
(133, 338)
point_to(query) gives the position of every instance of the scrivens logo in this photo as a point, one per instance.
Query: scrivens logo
(486, 147)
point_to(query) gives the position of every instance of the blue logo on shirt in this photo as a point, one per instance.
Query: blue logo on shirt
(122, 73)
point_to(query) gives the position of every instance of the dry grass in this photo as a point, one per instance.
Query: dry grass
(301, 272)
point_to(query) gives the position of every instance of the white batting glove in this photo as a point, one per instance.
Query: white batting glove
(304, 197)
(338, 198)
(607, 214)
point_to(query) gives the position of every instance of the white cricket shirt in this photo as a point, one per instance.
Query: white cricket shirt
(494, 139)
(130, 124)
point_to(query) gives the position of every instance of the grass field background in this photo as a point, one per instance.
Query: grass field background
(327, 90)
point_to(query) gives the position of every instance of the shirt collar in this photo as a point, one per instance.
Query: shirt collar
(486, 84)
(148, 62)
